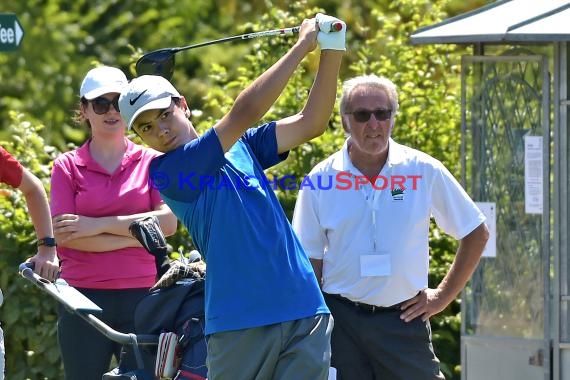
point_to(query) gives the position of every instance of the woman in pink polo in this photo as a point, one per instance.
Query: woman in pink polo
(97, 190)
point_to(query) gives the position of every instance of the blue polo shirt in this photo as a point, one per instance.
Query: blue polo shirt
(258, 274)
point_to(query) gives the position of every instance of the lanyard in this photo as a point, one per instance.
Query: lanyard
(370, 195)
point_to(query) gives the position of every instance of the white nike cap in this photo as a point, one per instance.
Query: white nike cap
(147, 92)
(102, 80)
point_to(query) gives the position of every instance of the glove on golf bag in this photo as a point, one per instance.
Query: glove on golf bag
(147, 231)
(178, 271)
(329, 38)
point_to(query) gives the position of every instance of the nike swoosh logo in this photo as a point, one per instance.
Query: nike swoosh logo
(134, 100)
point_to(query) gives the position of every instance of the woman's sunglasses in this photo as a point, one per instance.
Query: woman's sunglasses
(362, 116)
(101, 105)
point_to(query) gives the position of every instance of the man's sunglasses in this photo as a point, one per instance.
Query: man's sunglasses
(362, 116)
(101, 105)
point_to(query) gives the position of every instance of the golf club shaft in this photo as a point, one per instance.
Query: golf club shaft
(161, 62)
(246, 36)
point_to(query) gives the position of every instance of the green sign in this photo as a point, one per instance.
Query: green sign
(11, 32)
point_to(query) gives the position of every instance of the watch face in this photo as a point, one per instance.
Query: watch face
(48, 242)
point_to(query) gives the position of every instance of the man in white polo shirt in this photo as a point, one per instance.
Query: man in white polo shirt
(366, 234)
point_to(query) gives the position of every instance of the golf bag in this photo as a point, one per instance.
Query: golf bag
(174, 313)
(174, 308)
(177, 309)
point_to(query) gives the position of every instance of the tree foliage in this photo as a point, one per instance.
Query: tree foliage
(64, 39)
(28, 317)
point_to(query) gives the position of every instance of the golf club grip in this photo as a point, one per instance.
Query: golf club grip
(335, 27)
(273, 32)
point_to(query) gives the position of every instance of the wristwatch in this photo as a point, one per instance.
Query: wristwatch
(47, 241)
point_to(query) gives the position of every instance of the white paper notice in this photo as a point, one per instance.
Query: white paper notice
(489, 210)
(533, 181)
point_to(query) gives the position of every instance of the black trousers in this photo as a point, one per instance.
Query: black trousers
(378, 345)
(86, 352)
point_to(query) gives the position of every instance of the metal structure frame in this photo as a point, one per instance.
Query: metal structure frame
(538, 26)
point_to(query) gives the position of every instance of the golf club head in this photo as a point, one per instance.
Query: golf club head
(159, 62)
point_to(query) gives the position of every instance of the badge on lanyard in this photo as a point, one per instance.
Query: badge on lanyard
(375, 264)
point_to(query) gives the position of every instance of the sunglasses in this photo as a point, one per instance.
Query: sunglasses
(101, 105)
(362, 116)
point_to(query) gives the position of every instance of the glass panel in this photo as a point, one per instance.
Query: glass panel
(503, 103)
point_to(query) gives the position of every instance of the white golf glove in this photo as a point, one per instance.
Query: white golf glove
(332, 34)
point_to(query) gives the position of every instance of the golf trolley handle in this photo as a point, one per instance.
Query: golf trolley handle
(119, 337)
(82, 306)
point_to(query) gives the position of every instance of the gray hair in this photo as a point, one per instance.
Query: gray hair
(370, 81)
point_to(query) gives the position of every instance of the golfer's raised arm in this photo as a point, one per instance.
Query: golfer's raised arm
(313, 119)
(259, 96)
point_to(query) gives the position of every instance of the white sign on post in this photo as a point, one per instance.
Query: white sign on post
(533, 176)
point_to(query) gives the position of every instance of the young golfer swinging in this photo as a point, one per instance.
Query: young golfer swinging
(265, 314)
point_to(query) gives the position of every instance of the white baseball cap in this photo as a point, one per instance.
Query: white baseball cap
(147, 92)
(102, 80)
